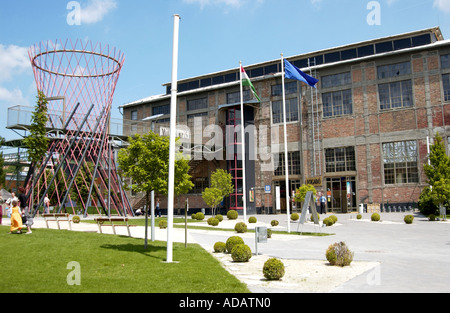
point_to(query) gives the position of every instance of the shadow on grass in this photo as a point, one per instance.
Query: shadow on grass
(151, 251)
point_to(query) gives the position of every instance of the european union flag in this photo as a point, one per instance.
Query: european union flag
(292, 72)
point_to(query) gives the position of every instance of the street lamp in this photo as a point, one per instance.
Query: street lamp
(152, 119)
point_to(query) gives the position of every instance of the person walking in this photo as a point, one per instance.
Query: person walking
(158, 208)
(23, 202)
(323, 204)
(46, 204)
(16, 218)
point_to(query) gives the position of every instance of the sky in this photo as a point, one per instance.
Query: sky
(214, 35)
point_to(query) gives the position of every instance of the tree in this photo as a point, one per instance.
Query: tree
(438, 174)
(146, 162)
(221, 186)
(300, 193)
(37, 142)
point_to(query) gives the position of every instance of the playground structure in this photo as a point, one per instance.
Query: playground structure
(78, 79)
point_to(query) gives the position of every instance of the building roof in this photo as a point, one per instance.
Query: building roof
(407, 42)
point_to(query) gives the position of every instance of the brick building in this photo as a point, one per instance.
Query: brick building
(360, 137)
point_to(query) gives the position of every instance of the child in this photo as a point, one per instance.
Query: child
(16, 218)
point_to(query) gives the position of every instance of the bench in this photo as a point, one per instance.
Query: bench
(101, 220)
(57, 217)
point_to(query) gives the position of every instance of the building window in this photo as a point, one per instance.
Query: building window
(400, 162)
(192, 118)
(395, 95)
(336, 80)
(340, 160)
(162, 109)
(294, 164)
(291, 111)
(445, 61)
(235, 97)
(134, 115)
(290, 88)
(446, 85)
(200, 184)
(337, 103)
(394, 70)
(197, 104)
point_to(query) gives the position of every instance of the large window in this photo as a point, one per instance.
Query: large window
(337, 103)
(291, 111)
(289, 88)
(196, 117)
(294, 164)
(162, 109)
(336, 80)
(445, 64)
(340, 160)
(395, 95)
(235, 97)
(400, 162)
(394, 70)
(197, 104)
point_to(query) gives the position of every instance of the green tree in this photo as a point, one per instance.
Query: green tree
(300, 193)
(438, 174)
(212, 197)
(146, 162)
(37, 142)
(221, 186)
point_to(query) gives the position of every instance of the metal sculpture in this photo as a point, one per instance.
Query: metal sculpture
(78, 79)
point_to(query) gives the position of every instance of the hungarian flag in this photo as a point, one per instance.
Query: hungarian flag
(246, 82)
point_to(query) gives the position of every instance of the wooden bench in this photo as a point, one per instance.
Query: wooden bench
(57, 217)
(101, 220)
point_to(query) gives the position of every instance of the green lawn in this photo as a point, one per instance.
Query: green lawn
(37, 263)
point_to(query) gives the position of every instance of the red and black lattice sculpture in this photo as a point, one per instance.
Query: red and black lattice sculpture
(78, 79)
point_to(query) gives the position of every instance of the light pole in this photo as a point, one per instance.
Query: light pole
(152, 119)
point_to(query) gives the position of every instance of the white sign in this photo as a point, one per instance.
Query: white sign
(181, 133)
(277, 192)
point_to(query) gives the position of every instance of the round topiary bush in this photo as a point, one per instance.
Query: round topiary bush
(213, 221)
(193, 216)
(232, 215)
(269, 233)
(274, 223)
(273, 269)
(76, 219)
(220, 247)
(232, 241)
(199, 216)
(409, 219)
(252, 220)
(328, 221)
(432, 217)
(312, 217)
(295, 216)
(359, 216)
(375, 217)
(240, 227)
(219, 217)
(339, 254)
(334, 218)
(162, 224)
(241, 253)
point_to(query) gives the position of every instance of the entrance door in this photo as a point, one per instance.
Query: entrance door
(341, 194)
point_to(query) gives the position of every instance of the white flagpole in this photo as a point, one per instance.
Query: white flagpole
(244, 189)
(173, 118)
(286, 155)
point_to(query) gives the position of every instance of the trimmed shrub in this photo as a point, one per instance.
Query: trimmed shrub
(199, 216)
(318, 217)
(334, 218)
(273, 269)
(219, 217)
(375, 217)
(232, 241)
(359, 216)
(162, 224)
(339, 254)
(213, 221)
(409, 219)
(274, 223)
(220, 247)
(232, 215)
(76, 219)
(269, 233)
(252, 219)
(193, 216)
(432, 217)
(240, 227)
(241, 253)
(328, 221)
(295, 216)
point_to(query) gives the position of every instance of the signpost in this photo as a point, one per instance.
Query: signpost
(309, 203)
(260, 237)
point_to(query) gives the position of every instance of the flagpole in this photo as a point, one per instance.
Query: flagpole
(244, 191)
(173, 117)
(286, 154)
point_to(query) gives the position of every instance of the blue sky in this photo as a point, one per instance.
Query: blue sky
(214, 35)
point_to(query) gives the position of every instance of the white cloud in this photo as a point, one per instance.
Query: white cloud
(13, 97)
(443, 5)
(14, 60)
(96, 10)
